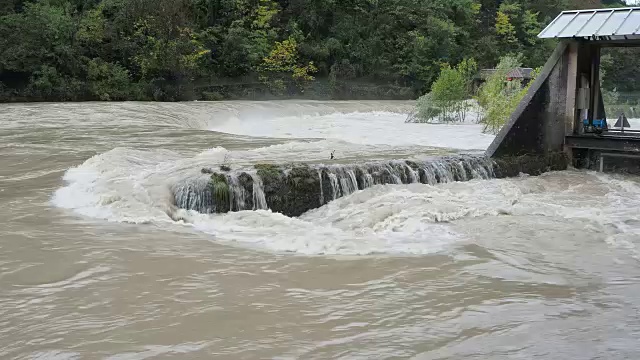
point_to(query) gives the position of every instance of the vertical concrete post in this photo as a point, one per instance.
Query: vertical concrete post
(570, 113)
(572, 88)
(595, 58)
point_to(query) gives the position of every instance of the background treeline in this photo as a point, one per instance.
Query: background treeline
(168, 50)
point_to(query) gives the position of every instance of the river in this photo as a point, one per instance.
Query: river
(93, 263)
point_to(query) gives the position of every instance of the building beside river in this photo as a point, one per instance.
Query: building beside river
(564, 109)
(522, 74)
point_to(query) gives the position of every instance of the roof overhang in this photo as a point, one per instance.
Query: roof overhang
(619, 24)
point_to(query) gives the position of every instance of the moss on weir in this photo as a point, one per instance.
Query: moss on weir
(267, 170)
(292, 192)
(220, 191)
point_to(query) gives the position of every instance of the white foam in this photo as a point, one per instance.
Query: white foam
(126, 185)
(129, 185)
(364, 128)
(121, 185)
(275, 232)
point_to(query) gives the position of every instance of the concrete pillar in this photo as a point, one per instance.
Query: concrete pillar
(571, 112)
(595, 80)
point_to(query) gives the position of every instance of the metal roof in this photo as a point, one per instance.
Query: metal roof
(596, 24)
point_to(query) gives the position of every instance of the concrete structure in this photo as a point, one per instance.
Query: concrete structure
(566, 95)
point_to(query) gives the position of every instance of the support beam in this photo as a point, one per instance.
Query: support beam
(606, 143)
(616, 155)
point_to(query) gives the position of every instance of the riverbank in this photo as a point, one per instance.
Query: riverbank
(250, 89)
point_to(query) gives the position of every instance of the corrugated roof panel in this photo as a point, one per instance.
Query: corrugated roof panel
(630, 26)
(612, 24)
(616, 23)
(596, 23)
(558, 24)
(578, 23)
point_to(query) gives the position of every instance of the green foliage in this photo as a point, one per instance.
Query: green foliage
(505, 29)
(426, 109)
(282, 63)
(214, 49)
(48, 83)
(619, 69)
(220, 189)
(268, 170)
(447, 101)
(264, 14)
(40, 37)
(174, 57)
(498, 98)
(108, 81)
(92, 27)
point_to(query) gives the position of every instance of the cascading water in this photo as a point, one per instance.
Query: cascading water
(237, 193)
(247, 189)
(336, 191)
(413, 174)
(367, 180)
(348, 181)
(259, 199)
(321, 189)
(194, 194)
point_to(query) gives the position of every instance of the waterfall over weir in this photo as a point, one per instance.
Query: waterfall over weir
(293, 190)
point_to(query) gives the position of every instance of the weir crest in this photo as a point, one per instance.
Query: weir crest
(294, 189)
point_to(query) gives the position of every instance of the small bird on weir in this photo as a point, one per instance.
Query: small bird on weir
(332, 153)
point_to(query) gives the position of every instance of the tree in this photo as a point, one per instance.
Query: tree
(108, 81)
(167, 52)
(282, 64)
(192, 49)
(36, 50)
(447, 101)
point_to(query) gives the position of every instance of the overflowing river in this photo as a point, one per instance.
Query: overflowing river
(96, 261)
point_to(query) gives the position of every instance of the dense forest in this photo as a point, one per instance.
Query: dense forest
(168, 50)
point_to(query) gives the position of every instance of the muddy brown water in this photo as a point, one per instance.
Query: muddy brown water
(92, 266)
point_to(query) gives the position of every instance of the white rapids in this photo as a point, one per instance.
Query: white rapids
(133, 186)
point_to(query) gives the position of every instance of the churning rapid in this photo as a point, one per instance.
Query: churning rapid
(110, 248)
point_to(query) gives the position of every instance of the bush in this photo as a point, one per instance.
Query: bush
(48, 83)
(447, 101)
(108, 81)
(426, 110)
